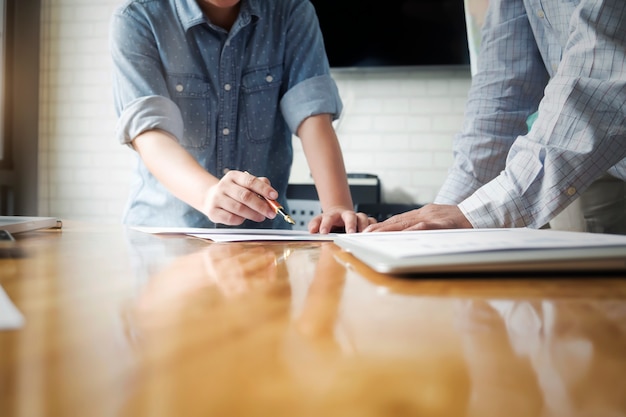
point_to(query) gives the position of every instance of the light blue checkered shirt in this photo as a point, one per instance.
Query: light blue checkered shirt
(231, 98)
(567, 59)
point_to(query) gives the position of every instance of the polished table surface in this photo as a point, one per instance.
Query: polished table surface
(123, 323)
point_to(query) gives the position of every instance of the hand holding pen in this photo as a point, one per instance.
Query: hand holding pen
(240, 196)
(276, 206)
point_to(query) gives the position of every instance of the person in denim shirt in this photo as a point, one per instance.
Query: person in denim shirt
(208, 94)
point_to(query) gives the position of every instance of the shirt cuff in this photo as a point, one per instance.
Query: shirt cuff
(149, 113)
(493, 206)
(313, 96)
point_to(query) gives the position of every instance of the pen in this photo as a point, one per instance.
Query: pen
(279, 209)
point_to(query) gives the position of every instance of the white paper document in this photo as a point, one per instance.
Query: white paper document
(10, 317)
(239, 235)
(440, 242)
(520, 248)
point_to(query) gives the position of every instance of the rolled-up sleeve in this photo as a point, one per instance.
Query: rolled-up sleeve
(317, 95)
(148, 113)
(140, 93)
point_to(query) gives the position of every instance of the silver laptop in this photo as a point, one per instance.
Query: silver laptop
(486, 250)
(18, 224)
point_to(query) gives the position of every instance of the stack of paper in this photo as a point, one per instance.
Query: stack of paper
(238, 235)
(486, 250)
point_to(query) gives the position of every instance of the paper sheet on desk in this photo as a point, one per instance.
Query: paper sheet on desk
(486, 250)
(239, 235)
(456, 241)
(10, 317)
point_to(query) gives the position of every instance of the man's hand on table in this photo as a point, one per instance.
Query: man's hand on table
(431, 216)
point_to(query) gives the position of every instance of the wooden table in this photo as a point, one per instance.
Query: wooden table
(122, 323)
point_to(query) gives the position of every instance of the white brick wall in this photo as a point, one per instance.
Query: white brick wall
(397, 123)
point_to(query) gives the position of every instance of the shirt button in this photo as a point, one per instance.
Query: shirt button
(269, 78)
(541, 14)
(179, 88)
(225, 171)
(226, 131)
(571, 191)
(227, 87)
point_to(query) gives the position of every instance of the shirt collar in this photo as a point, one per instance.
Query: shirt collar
(190, 14)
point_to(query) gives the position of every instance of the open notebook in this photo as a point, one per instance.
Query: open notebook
(17, 224)
(486, 250)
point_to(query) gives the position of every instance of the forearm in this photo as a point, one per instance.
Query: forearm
(323, 154)
(174, 167)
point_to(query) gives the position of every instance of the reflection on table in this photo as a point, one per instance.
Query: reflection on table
(124, 323)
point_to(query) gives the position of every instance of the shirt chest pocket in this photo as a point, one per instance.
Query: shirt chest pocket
(192, 96)
(260, 89)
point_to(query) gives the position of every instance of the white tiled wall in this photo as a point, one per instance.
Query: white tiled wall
(397, 123)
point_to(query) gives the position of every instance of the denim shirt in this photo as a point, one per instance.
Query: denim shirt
(232, 99)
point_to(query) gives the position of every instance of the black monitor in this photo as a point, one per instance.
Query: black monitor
(368, 33)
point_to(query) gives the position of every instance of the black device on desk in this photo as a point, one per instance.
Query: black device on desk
(304, 202)
(6, 237)
(8, 247)
(383, 211)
